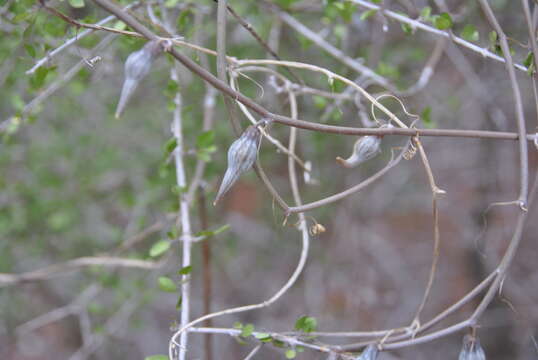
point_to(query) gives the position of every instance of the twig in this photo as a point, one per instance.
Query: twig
(51, 271)
(330, 199)
(333, 51)
(74, 39)
(184, 215)
(207, 273)
(436, 236)
(415, 24)
(207, 76)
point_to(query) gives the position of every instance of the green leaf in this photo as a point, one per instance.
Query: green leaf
(425, 116)
(470, 33)
(306, 324)
(76, 3)
(319, 101)
(179, 302)
(247, 330)
(442, 21)
(170, 146)
(185, 270)
(238, 325)
(492, 36)
(156, 357)
(408, 29)
(167, 284)
(30, 50)
(529, 63)
(263, 337)
(159, 248)
(365, 15)
(170, 3)
(290, 354)
(205, 139)
(119, 25)
(207, 233)
(426, 13)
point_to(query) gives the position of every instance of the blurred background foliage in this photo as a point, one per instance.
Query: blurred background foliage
(75, 181)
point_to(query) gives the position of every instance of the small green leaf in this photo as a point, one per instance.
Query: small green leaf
(492, 36)
(442, 21)
(119, 25)
(263, 337)
(330, 80)
(179, 302)
(426, 13)
(159, 248)
(425, 116)
(470, 33)
(529, 63)
(290, 354)
(170, 146)
(238, 325)
(205, 139)
(207, 233)
(365, 15)
(178, 190)
(186, 270)
(319, 101)
(408, 29)
(247, 330)
(306, 324)
(170, 3)
(30, 50)
(156, 357)
(167, 284)
(76, 3)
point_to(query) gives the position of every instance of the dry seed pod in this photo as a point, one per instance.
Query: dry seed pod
(471, 349)
(137, 66)
(369, 353)
(241, 156)
(364, 149)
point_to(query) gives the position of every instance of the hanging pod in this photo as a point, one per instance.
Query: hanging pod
(365, 148)
(369, 353)
(137, 66)
(241, 156)
(471, 349)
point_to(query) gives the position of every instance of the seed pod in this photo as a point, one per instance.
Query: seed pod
(364, 149)
(369, 353)
(471, 349)
(241, 156)
(137, 66)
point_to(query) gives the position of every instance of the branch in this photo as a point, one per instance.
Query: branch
(415, 24)
(55, 270)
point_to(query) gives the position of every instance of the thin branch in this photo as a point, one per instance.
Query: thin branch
(333, 51)
(520, 115)
(415, 24)
(75, 39)
(55, 270)
(221, 86)
(186, 231)
(344, 194)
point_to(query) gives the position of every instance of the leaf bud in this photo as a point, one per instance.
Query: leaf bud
(241, 156)
(137, 66)
(471, 349)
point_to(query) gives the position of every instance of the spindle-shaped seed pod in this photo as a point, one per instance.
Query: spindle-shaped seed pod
(137, 66)
(471, 349)
(365, 148)
(369, 353)
(241, 156)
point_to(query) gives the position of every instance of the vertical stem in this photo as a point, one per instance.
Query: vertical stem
(206, 265)
(186, 232)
